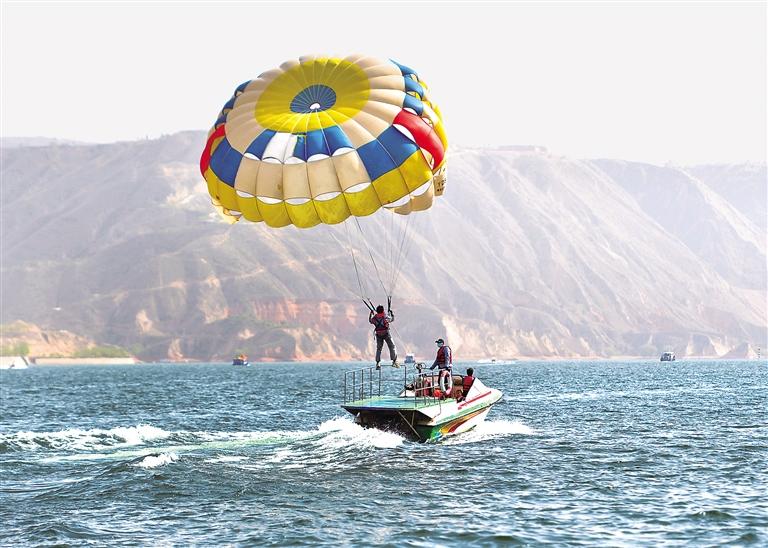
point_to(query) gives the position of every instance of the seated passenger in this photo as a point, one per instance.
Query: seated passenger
(466, 383)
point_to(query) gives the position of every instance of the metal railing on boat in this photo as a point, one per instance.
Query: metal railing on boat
(366, 383)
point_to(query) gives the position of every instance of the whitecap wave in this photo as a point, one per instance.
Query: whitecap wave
(157, 460)
(76, 438)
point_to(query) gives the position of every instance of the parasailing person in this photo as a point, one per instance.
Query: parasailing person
(381, 322)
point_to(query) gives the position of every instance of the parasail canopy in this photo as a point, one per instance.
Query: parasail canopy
(320, 139)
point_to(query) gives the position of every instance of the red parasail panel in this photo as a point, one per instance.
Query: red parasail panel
(425, 136)
(205, 157)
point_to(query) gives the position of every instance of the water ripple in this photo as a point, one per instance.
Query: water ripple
(603, 453)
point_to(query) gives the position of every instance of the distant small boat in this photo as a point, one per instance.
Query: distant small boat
(494, 361)
(241, 360)
(409, 359)
(668, 357)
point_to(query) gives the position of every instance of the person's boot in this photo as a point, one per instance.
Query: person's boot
(394, 363)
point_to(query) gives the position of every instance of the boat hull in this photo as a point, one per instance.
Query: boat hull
(453, 427)
(423, 423)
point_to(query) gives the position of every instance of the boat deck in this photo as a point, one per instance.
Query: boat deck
(393, 403)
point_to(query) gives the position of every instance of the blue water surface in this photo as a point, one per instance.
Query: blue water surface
(576, 453)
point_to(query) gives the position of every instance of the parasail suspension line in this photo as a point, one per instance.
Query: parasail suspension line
(402, 252)
(357, 272)
(370, 254)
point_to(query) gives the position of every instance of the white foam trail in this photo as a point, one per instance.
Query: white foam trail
(337, 424)
(154, 461)
(227, 459)
(114, 444)
(279, 456)
(343, 432)
(136, 435)
(234, 439)
(75, 438)
(492, 429)
(231, 441)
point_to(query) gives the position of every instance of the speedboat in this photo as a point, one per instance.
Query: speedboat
(420, 410)
(242, 359)
(667, 357)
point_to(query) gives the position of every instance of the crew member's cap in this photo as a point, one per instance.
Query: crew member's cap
(440, 341)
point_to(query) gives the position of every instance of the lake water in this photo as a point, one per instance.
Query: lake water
(597, 453)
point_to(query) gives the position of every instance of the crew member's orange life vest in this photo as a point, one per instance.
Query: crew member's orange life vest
(467, 383)
(441, 357)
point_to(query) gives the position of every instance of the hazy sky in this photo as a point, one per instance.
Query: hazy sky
(656, 82)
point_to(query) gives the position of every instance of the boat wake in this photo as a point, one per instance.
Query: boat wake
(342, 431)
(490, 429)
(77, 439)
(148, 446)
(157, 460)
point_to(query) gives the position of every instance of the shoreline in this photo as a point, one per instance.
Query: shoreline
(362, 363)
(83, 361)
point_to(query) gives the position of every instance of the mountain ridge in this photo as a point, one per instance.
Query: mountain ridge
(528, 254)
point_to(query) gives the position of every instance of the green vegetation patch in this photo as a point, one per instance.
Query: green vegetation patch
(18, 349)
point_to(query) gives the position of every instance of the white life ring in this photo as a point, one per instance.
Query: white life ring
(446, 382)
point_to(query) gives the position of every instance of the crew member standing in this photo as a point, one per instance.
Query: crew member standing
(444, 363)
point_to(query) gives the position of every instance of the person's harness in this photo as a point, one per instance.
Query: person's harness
(380, 323)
